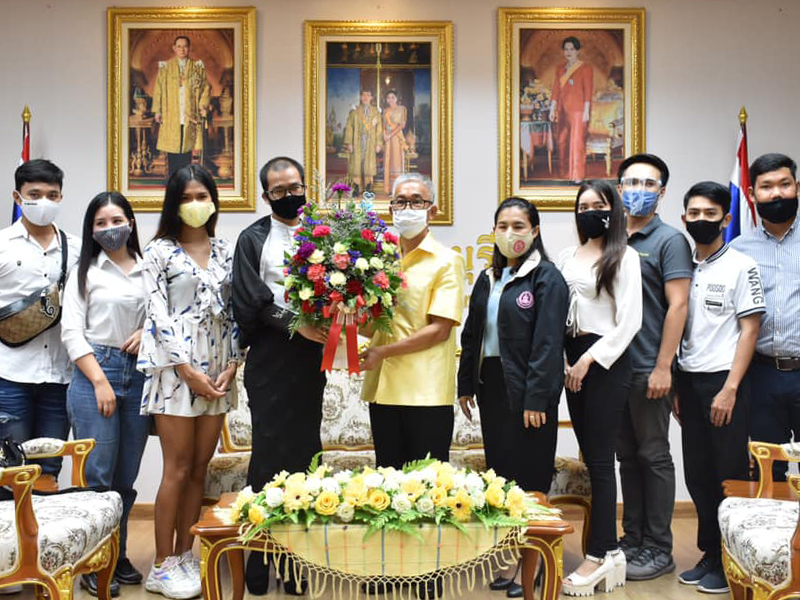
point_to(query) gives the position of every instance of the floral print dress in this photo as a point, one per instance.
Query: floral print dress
(189, 319)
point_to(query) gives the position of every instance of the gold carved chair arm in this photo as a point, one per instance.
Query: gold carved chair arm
(21, 480)
(765, 454)
(78, 450)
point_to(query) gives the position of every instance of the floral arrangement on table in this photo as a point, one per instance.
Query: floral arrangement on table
(343, 256)
(535, 100)
(425, 491)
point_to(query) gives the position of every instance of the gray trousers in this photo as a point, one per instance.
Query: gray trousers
(647, 474)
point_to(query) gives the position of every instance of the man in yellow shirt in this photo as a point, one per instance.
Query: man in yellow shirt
(410, 379)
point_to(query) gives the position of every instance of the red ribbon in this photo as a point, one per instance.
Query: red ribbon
(334, 336)
(352, 347)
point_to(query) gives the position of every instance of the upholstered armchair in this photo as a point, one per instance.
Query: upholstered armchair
(761, 534)
(50, 540)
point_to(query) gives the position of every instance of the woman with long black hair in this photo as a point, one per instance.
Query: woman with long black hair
(605, 313)
(511, 355)
(190, 353)
(101, 327)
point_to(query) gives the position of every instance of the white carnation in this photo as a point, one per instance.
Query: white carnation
(313, 485)
(376, 262)
(338, 278)
(339, 248)
(274, 497)
(473, 482)
(459, 480)
(478, 498)
(316, 257)
(401, 503)
(428, 475)
(373, 480)
(345, 512)
(329, 484)
(391, 483)
(425, 505)
(362, 264)
(305, 293)
(342, 476)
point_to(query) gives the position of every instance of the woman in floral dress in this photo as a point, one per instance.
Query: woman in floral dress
(189, 353)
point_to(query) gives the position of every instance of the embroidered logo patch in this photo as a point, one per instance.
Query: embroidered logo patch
(519, 247)
(525, 300)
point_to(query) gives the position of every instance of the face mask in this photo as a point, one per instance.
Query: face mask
(286, 208)
(409, 222)
(40, 212)
(775, 211)
(195, 213)
(512, 245)
(702, 231)
(112, 238)
(593, 223)
(639, 203)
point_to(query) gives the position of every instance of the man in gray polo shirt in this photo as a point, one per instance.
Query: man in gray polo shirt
(647, 472)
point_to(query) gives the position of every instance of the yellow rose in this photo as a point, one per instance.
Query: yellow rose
(256, 514)
(316, 257)
(326, 503)
(515, 502)
(378, 499)
(438, 495)
(296, 480)
(338, 278)
(413, 488)
(305, 293)
(461, 505)
(495, 496)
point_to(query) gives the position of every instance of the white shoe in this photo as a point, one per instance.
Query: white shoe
(191, 563)
(171, 580)
(578, 585)
(620, 566)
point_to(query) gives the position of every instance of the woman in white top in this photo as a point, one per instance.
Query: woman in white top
(190, 352)
(605, 283)
(101, 326)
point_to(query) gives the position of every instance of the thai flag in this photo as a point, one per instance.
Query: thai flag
(742, 209)
(24, 157)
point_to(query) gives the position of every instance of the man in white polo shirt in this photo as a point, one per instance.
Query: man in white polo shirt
(726, 302)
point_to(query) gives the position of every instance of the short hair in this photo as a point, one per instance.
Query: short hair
(280, 163)
(182, 37)
(38, 170)
(367, 90)
(766, 163)
(576, 43)
(647, 159)
(718, 194)
(426, 181)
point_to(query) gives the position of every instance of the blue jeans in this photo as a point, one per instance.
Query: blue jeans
(121, 438)
(34, 410)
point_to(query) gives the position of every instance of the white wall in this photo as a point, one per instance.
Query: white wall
(705, 58)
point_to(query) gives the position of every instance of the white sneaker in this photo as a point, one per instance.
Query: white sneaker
(171, 580)
(620, 566)
(191, 563)
(579, 585)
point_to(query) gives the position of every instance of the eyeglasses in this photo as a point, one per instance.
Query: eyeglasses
(635, 182)
(415, 202)
(278, 193)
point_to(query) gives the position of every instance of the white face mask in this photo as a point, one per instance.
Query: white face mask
(410, 222)
(40, 211)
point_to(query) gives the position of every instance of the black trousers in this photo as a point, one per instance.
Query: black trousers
(596, 413)
(514, 452)
(284, 386)
(405, 433)
(710, 454)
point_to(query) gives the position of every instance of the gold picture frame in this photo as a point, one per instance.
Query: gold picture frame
(412, 60)
(205, 55)
(599, 108)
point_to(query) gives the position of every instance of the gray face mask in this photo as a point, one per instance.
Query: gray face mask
(113, 238)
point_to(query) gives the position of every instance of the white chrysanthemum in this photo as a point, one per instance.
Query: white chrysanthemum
(401, 503)
(391, 482)
(425, 505)
(459, 480)
(345, 512)
(375, 263)
(478, 498)
(338, 278)
(473, 482)
(306, 293)
(316, 257)
(329, 484)
(362, 264)
(274, 497)
(373, 480)
(313, 485)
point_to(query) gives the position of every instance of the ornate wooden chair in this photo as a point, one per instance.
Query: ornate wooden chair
(761, 532)
(49, 540)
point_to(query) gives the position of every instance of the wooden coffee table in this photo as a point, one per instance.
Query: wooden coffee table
(218, 537)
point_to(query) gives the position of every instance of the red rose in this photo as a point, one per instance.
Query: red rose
(321, 231)
(376, 310)
(390, 237)
(286, 297)
(315, 273)
(354, 286)
(319, 287)
(307, 306)
(368, 235)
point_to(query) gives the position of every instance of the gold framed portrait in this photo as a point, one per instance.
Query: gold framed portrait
(378, 102)
(571, 98)
(181, 85)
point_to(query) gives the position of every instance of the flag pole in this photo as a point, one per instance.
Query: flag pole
(25, 156)
(742, 116)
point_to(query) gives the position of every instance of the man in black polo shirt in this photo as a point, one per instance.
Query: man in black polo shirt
(647, 472)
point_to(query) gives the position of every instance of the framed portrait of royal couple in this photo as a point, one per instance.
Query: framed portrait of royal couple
(377, 104)
(181, 91)
(571, 98)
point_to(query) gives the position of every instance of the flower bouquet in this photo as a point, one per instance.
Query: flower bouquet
(346, 258)
(425, 491)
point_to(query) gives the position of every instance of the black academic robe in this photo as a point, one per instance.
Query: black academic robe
(281, 375)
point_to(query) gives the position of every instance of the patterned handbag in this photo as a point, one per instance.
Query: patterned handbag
(23, 320)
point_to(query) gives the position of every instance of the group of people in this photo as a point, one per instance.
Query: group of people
(157, 337)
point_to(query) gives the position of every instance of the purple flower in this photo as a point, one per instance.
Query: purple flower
(354, 254)
(379, 247)
(306, 249)
(303, 271)
(341, 187)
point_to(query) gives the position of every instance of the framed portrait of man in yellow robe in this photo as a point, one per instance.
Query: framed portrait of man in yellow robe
(181, 87)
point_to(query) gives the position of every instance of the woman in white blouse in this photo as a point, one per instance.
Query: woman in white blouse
(190, 352)
(101, 326)
(605, 282)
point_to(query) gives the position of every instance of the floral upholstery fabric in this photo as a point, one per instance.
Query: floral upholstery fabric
(71, 526)
(757, 533)
(42, 446)
(345, 418)
(227, 472)
(571, 478)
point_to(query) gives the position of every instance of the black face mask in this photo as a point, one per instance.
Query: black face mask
(702, 231)
(778, 210)
(287, 207)
(593, 223)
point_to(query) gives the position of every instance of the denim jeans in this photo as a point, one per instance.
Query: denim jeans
(121, 438)
(34, 410)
